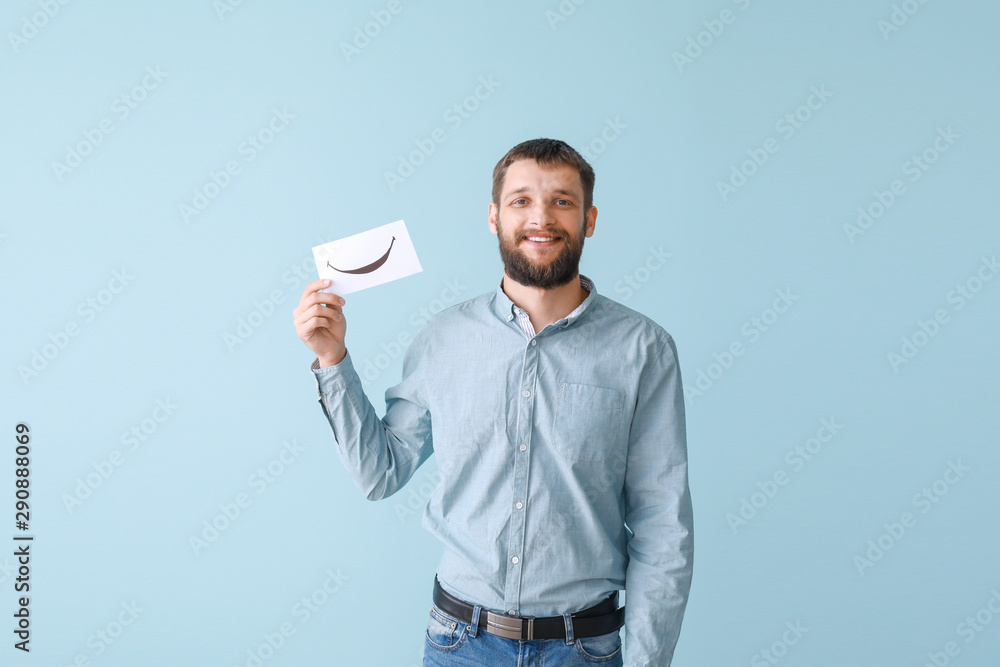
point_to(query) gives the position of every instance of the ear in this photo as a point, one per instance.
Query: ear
(493, 213)
(591, 221)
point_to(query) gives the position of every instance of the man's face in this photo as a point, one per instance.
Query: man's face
(541, 202)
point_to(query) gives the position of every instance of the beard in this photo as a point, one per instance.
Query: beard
(550, 274)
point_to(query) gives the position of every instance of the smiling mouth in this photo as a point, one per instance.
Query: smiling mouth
(541, 244)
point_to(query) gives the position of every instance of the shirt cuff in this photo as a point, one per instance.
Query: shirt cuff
(333, 378)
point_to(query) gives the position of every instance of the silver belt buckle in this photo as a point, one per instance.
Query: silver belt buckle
(510, 628)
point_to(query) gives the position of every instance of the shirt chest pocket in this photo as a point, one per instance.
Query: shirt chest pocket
(587, 421)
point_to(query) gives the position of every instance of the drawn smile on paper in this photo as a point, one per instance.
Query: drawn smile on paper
(369, 267)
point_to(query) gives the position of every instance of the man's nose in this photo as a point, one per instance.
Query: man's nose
(541, 214)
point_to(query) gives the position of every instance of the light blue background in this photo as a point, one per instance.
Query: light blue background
(680, 131)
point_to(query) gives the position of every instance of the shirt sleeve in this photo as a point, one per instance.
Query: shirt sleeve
(658, 514)
(381, 455)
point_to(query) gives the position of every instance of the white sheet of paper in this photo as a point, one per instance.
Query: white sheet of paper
(377, 256)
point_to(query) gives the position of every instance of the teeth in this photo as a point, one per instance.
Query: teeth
(541, 239)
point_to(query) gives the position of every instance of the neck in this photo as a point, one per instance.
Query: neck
(545, 306)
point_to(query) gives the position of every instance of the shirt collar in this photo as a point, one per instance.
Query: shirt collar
(504, 307)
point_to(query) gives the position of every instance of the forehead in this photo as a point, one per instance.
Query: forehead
(529, 176)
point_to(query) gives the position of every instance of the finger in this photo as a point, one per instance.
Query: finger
(314, 323)
(311, 298)
(327, 298)
(324, 310)
(314, 286)
(318, 311)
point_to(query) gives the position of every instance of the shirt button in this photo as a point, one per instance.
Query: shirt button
(514, 560)
(512, 612)
(523, 447)
(527, 393)
(534, 342)
(519, 505)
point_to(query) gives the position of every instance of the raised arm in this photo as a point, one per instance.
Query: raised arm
(381, 455)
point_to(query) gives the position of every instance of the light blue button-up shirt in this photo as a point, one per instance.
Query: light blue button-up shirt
(562, 457)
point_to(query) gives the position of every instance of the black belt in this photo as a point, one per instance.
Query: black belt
(602, 618)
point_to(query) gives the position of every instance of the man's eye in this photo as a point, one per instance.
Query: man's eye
(518, 200)
(563, 201)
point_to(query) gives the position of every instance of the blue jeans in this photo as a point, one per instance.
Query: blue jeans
(451, 643)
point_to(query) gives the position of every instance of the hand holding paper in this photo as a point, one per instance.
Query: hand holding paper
(377, 256)
(320, 324)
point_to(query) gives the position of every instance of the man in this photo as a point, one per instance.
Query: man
(557, 417)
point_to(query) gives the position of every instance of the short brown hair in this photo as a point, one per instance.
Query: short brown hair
(546, 152)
